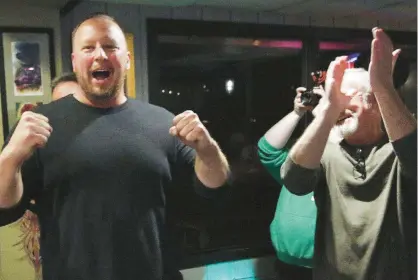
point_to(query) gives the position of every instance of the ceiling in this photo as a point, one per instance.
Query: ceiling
(185, 52)
(39, 3)
(395, 9)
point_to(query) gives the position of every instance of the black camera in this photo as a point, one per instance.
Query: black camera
(309, 98)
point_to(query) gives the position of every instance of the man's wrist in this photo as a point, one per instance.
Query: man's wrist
(210, 150)
(299, 113)
(7, 157)
(385, 87)
(386, 90)
(331, 113)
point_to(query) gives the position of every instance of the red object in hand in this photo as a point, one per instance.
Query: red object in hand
(27, 107)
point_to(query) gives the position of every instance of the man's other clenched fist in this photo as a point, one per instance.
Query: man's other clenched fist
(32, 131)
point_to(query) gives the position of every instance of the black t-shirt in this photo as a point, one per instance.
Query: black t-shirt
(99, 185)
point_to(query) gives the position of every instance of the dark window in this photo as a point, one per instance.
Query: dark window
(240, 79)
(239, 87)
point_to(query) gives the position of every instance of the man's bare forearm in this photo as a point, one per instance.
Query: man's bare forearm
(11, 185)
(279, 134)
(211, 167)
(399, 122)
(307, 151)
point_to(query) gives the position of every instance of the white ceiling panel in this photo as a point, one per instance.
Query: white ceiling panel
(255, 5)
(350, 7)
(244, 10)
(404, 11)
(171, 3)
(382, 3)
(216, 14)
(335, 9)
(263, 5)
(370, 4)
(271, 18)
(36, 3)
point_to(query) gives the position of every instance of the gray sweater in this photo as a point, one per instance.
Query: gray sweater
(367, 209)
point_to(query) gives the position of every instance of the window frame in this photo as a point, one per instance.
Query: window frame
(310, 37)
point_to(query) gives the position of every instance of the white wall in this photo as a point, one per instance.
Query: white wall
(21, 16)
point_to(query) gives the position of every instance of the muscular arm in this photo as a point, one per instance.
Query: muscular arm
(211, 167)
(11, 186)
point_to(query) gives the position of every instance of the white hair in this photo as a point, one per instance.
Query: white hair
(357, 79)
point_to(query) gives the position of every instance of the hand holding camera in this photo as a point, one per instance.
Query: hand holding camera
(299, 105)
(311, 96)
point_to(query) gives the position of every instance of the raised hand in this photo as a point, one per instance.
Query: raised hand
(382, 61)
(298, 106)
(333, 94)
(32, 132)
(191, 131)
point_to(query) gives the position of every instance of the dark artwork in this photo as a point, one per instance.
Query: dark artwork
(27, 76)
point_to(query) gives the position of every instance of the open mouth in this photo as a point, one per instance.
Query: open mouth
(101, 75)
(343, 118)
(346, 114)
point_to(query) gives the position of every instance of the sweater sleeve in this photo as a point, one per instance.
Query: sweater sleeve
(298, 179)
(272, 158)
(406, 151)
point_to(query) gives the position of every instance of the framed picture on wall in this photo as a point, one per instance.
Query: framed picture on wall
(27, 66)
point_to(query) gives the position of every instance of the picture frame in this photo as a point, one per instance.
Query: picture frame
(27, 66)
(130, 86)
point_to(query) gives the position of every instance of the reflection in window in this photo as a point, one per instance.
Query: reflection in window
(329, 50)
(239, 88)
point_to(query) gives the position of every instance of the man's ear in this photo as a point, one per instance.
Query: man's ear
(73, 61)
(128, 61)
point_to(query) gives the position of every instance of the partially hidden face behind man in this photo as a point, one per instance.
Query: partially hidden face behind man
(65, 88)
(100, 58)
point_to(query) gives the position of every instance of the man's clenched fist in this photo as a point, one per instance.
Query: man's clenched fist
(190, 130)
(32, 131)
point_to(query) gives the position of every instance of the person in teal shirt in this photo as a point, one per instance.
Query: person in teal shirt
(292, 230)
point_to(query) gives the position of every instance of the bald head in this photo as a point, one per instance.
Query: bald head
(101, 21)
